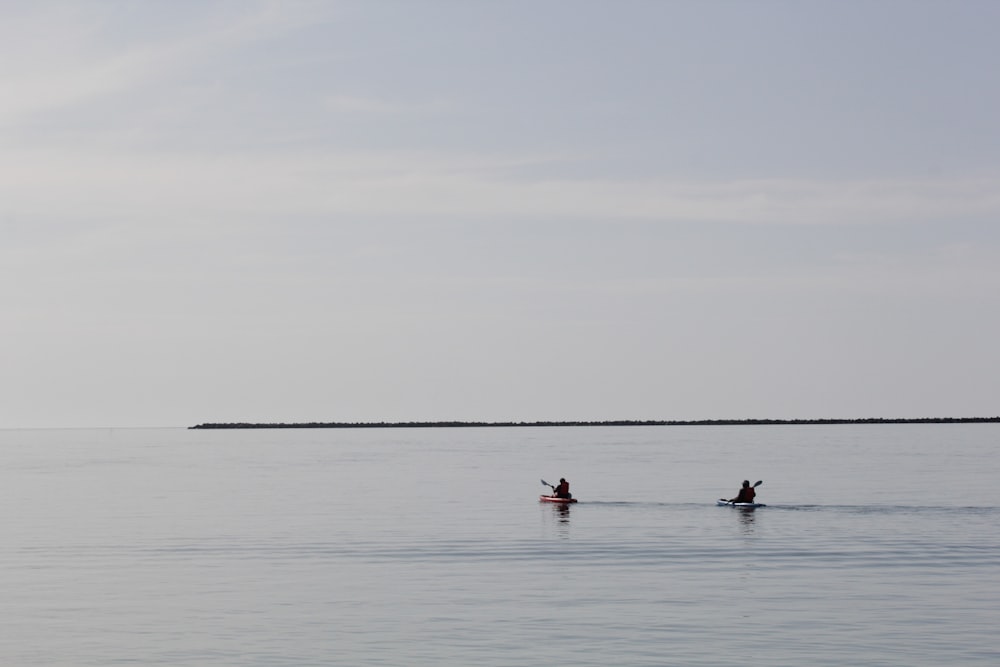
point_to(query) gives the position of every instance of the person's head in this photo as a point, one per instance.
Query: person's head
(562, 480)
(746, 483)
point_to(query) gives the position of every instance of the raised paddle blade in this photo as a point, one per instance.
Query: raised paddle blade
(759, 483)
(547, 484)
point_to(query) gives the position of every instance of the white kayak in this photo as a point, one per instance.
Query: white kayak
(726, 503)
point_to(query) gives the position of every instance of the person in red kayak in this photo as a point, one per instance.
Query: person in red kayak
(746, 494)
(562, 491)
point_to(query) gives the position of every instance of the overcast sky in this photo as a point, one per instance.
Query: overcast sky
(435, 210)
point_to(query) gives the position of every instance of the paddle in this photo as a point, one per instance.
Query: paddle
(727, 500)
(548, 485)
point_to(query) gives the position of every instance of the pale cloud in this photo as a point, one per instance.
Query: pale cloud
(356, 104)
(416, 184)
(49, 61)
(70, 53)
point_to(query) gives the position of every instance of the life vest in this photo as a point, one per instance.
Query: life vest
(746, 495)
(562, 491)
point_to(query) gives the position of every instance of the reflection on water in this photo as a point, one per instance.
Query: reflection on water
(747, 515)
(562, 511)
(560, 514)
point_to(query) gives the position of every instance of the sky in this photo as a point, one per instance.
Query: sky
(224, 211)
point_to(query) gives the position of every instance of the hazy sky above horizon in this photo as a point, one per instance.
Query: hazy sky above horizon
(366, 211)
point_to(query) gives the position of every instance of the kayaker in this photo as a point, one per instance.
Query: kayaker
(746, 494)
(562, 491)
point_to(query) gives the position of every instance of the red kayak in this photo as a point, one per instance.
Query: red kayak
(553, 499)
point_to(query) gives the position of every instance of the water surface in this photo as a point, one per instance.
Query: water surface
(879, 546)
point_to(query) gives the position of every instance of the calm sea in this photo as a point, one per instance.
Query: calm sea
(880, 545)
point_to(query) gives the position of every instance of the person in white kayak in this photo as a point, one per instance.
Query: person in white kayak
(746, 494)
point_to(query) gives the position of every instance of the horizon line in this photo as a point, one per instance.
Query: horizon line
(615, 422)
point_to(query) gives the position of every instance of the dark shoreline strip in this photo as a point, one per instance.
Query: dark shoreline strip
(705, 422)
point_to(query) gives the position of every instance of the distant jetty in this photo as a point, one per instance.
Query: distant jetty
(623, 422)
